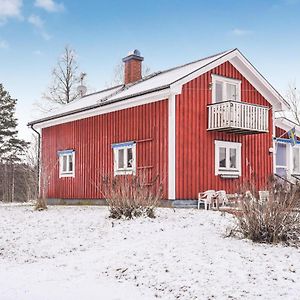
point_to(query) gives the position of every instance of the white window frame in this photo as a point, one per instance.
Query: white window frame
(225, 81)
(68, 154)
(227, 170)
(126, 170)
(292, 154)
(288, 167)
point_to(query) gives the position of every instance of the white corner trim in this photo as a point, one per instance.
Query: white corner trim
(172, 147)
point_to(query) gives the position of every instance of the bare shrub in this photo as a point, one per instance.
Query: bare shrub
(40, 204)
(131, 196)
(272, 220)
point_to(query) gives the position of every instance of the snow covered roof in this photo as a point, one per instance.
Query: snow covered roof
(85, 101)
(155, 82)
(287, 124)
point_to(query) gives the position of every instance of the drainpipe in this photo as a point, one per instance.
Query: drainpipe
(38, 161)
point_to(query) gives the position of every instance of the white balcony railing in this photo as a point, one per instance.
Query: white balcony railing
(236, 116)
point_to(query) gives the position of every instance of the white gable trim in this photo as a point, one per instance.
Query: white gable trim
(248, 71)
(177, 85)
(172, 147)
(287, 125)
(259, 82)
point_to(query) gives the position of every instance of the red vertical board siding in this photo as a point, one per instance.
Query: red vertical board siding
(281, 133)
(91, 138)
(195, 148)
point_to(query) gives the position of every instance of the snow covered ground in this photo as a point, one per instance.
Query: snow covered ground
(78, 253)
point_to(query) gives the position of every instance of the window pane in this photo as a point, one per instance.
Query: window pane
(70, 163)
(222, 157)
(121, 159)
(280, 154)
(232, 158)
(296, 158)
(129, 158)
(231, 91)
(64, 166)
(281, 172)
(219, 91)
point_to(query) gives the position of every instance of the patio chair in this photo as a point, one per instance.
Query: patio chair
(263, 195)
(249, 195)
(222, 197)
(206, 198)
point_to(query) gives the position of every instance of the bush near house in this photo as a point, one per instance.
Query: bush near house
(131, 196)
(273, 220)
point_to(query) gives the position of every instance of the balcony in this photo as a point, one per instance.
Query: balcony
(238, 117)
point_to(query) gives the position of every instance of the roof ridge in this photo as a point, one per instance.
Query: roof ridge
(195, 61)
(101, 91)
(177, 67)
(147, 77)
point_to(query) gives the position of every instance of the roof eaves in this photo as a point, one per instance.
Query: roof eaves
(99, 104)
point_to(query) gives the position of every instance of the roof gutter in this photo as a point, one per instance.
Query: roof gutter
(38, 159)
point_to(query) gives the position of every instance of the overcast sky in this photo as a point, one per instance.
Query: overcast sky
(167, 32)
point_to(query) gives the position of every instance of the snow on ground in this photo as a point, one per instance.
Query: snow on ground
(78, 253)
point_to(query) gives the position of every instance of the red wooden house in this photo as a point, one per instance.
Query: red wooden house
(208, 124)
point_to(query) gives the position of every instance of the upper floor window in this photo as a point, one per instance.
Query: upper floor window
(124, 158)
(228, 158)
(225, 89)
(66, 163)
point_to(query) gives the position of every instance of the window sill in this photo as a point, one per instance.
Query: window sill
(124, 172)
(229, 176)
(233, 173)
(66, 175)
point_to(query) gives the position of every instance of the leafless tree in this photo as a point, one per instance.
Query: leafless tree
(293, 98)
(64, 82)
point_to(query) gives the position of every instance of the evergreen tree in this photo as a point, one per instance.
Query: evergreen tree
(11, 147)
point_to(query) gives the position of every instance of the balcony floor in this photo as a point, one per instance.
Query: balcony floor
(237, 130)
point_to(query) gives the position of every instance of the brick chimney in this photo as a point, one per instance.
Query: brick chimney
(133, 66)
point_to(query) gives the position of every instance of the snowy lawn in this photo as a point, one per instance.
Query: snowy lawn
(78, 253)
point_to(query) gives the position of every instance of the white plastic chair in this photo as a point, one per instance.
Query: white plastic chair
(206, 198)
(249, 195)
(263, 195)
(222, 197)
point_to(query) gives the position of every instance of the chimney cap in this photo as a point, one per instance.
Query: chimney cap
(134, 54)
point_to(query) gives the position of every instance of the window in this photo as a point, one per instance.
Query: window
(281, 159)
(296, 160)
(227, 158)
(124, 158)
(225, 89)
(66, 163)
